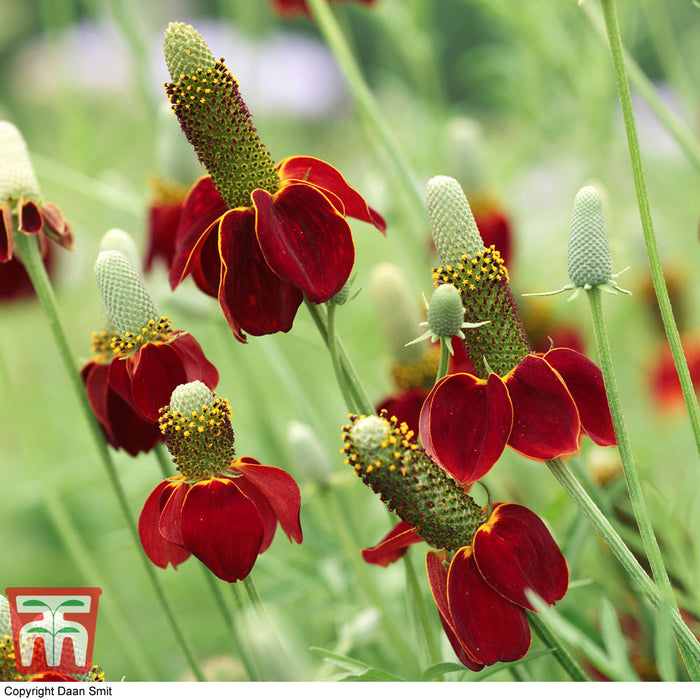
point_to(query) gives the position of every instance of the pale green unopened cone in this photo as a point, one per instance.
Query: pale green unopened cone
(590, 264)
(185, 50)
(189, 398)
(122, 242)
(452, 223)
(445, 312)
(17, 177)
(128, 304)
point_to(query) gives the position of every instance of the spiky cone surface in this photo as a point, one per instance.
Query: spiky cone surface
(589, 259)
(206, 99)
(395, 467)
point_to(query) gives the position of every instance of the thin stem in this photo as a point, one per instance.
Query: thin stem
(445, 347)
(657, 274)
(340, 374)
(639, 578)
(634, 487)
(561, 653)
(684, 137)
(28, 250)
(422, 611)
(250, 660)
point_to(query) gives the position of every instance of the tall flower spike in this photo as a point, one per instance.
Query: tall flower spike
(128, 303)
(257, 235)
(540, 405)
(394, 466)
(589, 261)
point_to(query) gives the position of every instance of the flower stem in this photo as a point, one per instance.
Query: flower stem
(674, 341)
(443, 367)
(561, 653)
(28, 250)
(689, 645)
(341, 375)
(421, 609)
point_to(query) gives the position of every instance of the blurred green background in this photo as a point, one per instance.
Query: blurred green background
(516, 99)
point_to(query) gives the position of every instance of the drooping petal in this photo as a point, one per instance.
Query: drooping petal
(406, 406)
(163, 221)
(170, 523)
(58, 228)
(251, 295)
(304, 239)
(546, 423)
(155, 370)
(280, 490)
(584, 380)
(320, 173)
(437, 577)
(515, 552)
(6, 233)
(159, 550)
(490, 627)
(194, 362)
(267, 515)
(222, 528)
(29, 219)
(202, 207)
(393, 546)
(465, 424)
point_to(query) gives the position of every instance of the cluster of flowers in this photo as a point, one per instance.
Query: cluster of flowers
(262, 237)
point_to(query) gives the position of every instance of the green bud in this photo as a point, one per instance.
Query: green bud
(128, 304)
(185, 50)
(452, 223)
(445, 312)
(122, 242)
(17, 177)
(589, 254)
(189, 398)
(308, 454)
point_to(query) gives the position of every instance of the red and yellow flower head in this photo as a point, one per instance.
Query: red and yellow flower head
(222, 509)
(257, 235)
(539, 404)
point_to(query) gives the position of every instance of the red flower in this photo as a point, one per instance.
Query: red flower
(14, 280)
(52, 677)
(665, 385)
(225, 521)
(480, 593)
(540, 408)
(260, 260)
(121, 425)
(145, 379)
(163, 221)
(289, 8)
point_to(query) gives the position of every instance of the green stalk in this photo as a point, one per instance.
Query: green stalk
(341, 376)
(687, 641)
(421, 610)
(634, 486)
(684, 137)
(561, 653)
(443, 367)
(250, 661)
(28, 250)
(657, 275)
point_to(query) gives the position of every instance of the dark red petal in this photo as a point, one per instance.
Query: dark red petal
(157, 548)
(267, 515)
(194, 363)
(490, 627)
(163, 221)
(304, 239)
(584, 380)
(206, 265)
(280, 490)
(57, 226)
(393, 546)
(222, 528)
(465, 423)
(202, 207)
(156, 369)
(170, 524)
(320, 173)
(6, 233)
(96, 379)
(52, 677)
(406, 406)
(251, 295)
(120, 378)
(29, 219)
(437, 577)
(515, 552)
(546, 423)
